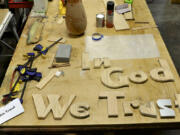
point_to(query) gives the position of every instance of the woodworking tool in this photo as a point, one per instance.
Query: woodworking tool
(97, 36)
(100, 20)
(63, 53)
(128, 1)
(26, 73)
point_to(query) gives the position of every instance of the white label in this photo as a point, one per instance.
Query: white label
(11, 110)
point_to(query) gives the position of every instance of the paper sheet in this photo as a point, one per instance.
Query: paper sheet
(122, 47)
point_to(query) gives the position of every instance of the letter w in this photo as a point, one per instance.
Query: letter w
(57, 110)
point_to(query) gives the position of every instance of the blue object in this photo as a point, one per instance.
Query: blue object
(39, 48)
(99, 36)
(21, 100)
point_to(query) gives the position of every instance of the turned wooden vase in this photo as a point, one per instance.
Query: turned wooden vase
(76, 20)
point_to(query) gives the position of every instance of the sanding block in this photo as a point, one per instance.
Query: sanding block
(63, 53)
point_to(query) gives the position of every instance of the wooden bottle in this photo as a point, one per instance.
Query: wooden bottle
(76, 20)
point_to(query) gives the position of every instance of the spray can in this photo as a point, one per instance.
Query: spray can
(100, 20)
(110, 14)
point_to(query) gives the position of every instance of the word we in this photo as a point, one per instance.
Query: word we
(78, 110)
(81, 110)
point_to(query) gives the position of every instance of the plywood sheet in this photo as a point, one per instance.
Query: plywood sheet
(139, 6)
(120, 22)
(86, 85)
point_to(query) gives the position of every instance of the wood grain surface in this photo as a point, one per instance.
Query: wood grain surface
(86, 85)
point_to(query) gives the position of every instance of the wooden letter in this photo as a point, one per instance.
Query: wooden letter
(112, 101)
(107, 62)
(107, 81)
(127, 108)
(127, 105)
(57, 110)
(164, 64)
(161, 75)
(85, 61)
(165, 112)
(99, 61)
(79, 110)
(177, 101)
(138, 77)
(135, 103)
(148, 109)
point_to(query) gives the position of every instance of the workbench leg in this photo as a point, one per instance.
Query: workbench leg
(6, 44)
(13, 25)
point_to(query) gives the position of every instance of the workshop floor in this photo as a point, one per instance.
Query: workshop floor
(167, 17)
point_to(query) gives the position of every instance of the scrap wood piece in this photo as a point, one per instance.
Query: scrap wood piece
(119, 22)
(85, 61)
(144, 27)
(141, 12)
(35, 31)
(45, 80)
(129, 15)
(148, 109)
(53, 63)
(58, 65)
(53, 38)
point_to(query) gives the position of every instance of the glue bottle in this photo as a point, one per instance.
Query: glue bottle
(110, 14)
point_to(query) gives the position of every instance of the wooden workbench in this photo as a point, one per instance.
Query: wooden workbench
(86, 85)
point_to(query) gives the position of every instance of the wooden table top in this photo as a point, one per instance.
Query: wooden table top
(86, 85)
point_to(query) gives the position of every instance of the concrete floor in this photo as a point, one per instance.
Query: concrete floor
(167, 17)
